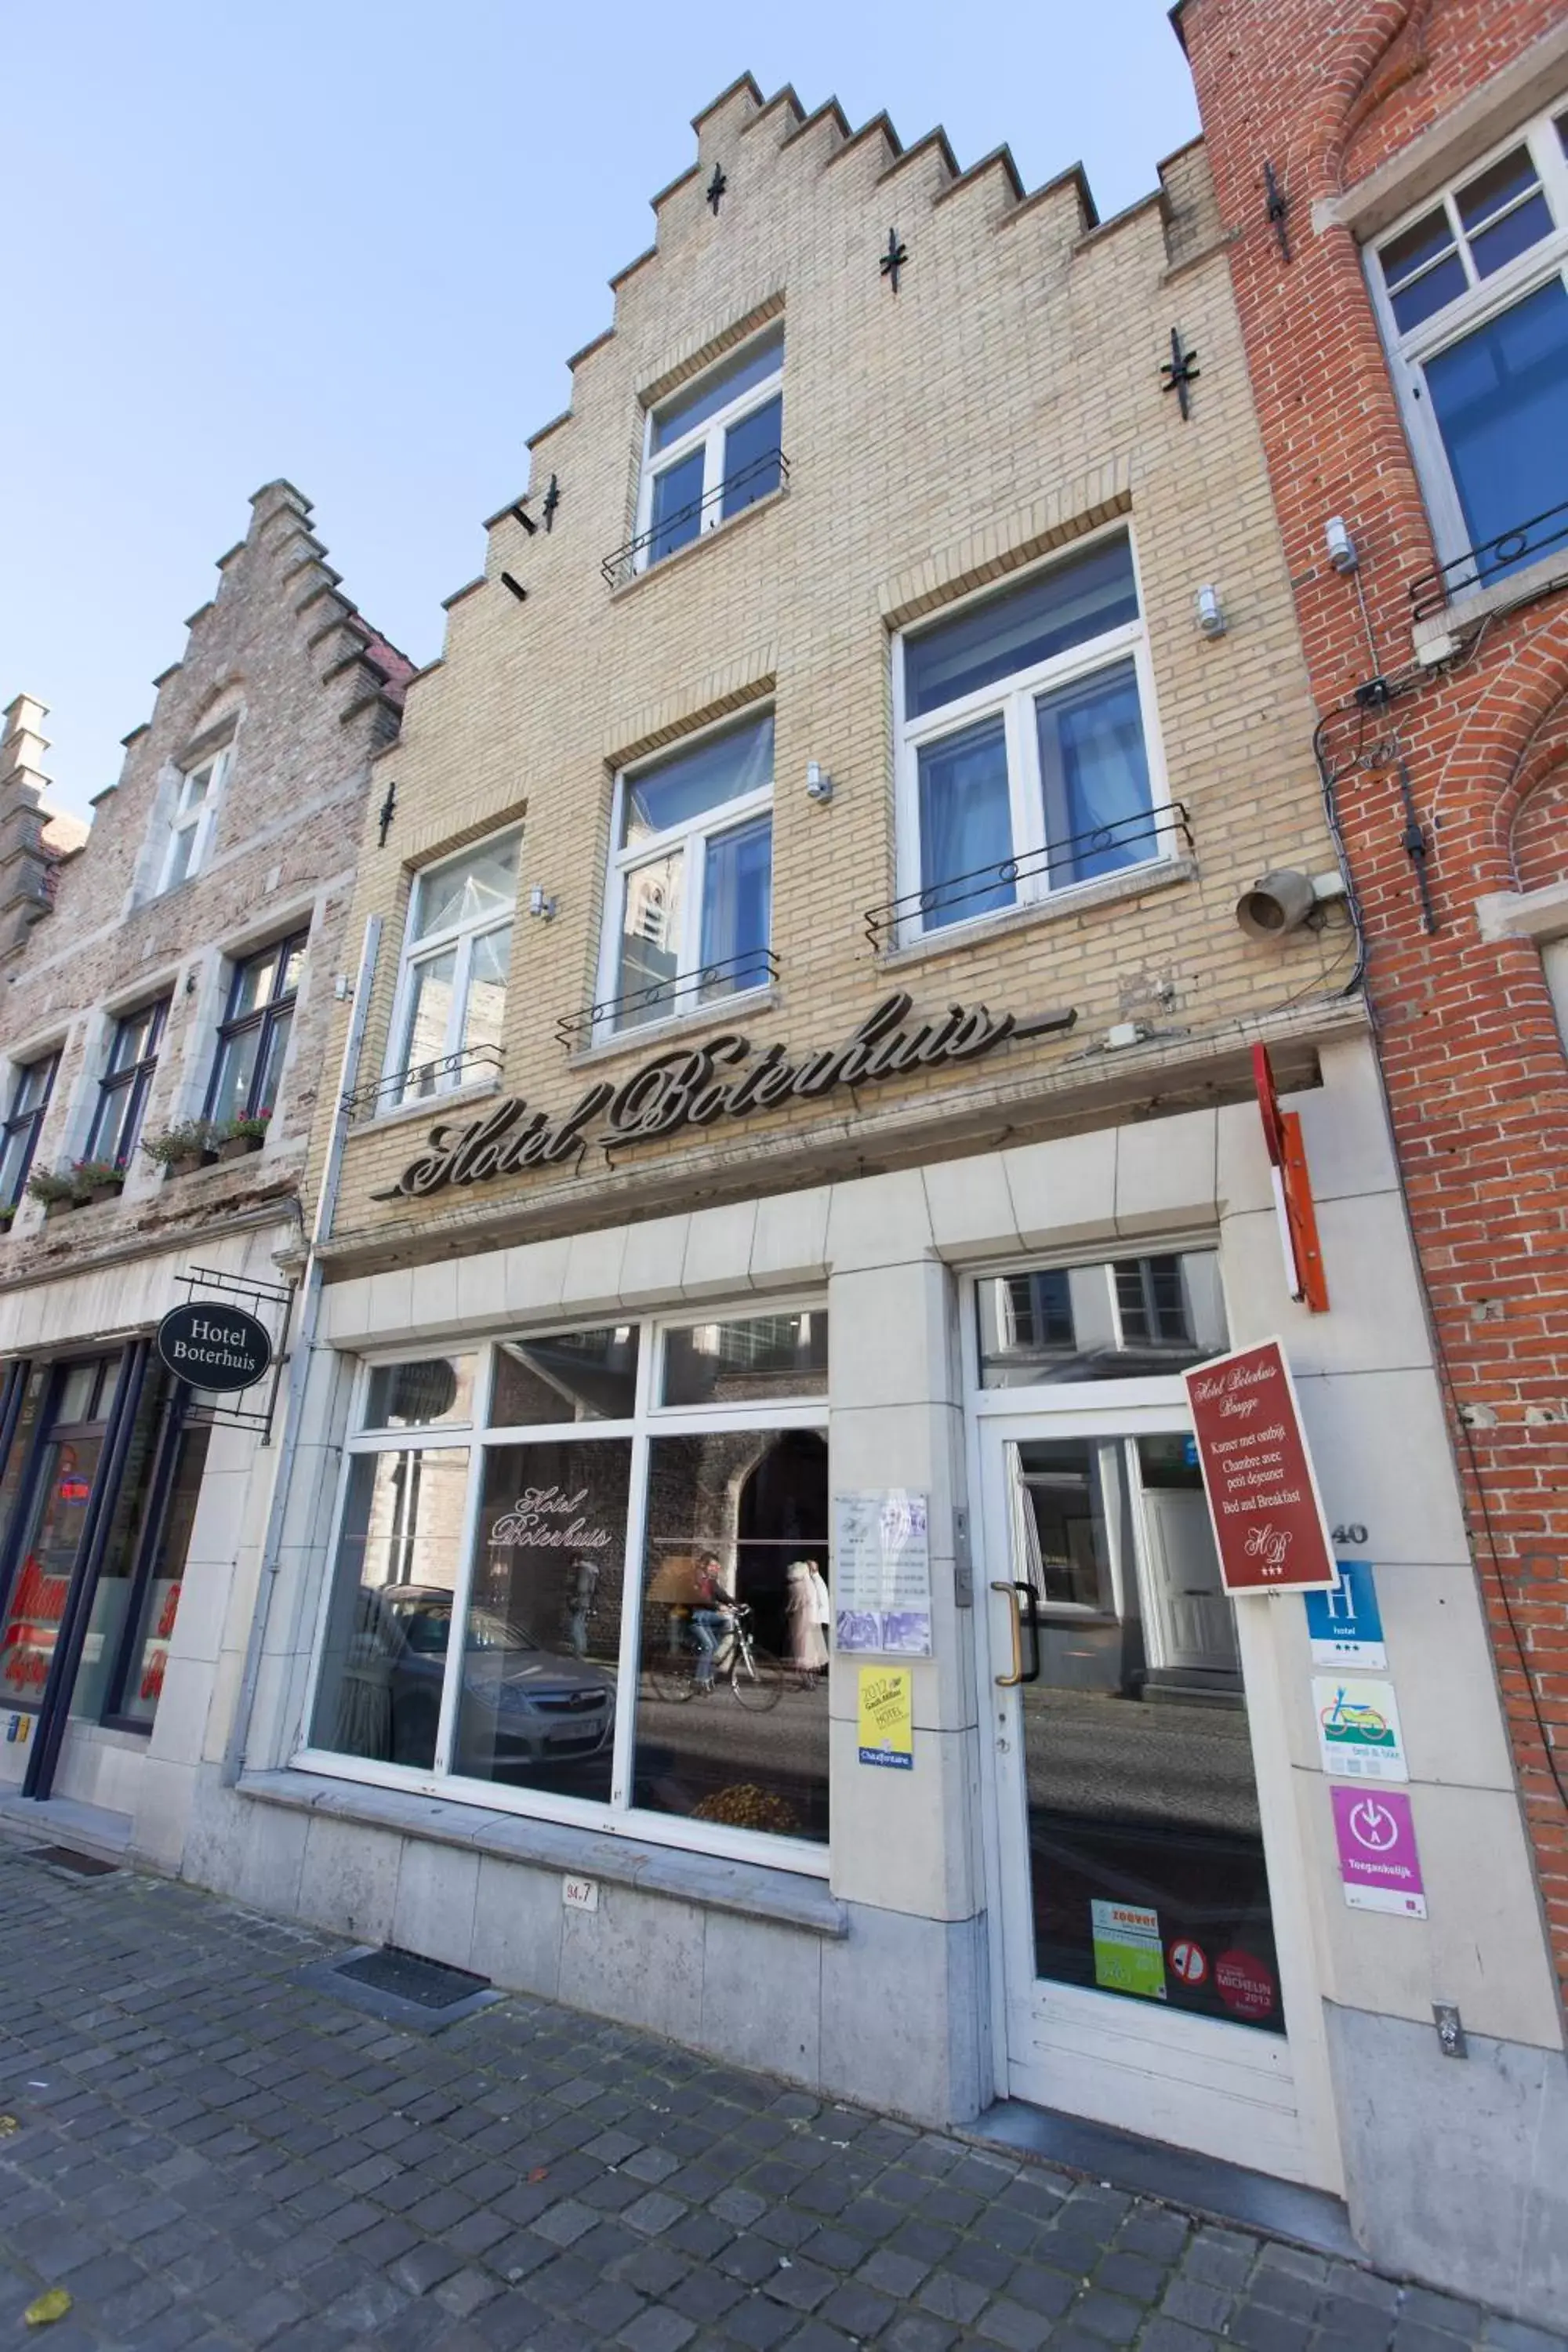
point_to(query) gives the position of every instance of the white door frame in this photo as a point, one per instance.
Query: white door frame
(1143, 2068)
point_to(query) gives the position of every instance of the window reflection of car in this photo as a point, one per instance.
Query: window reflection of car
(520, 1703)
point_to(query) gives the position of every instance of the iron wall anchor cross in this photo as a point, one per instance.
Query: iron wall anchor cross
(716, 187)
(1180, 372)
(893, 260)
(551, 500)
(1276, 209)
(387, 812)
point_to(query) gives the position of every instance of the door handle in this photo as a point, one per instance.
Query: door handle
(1008, 1682)
(1032, 1613)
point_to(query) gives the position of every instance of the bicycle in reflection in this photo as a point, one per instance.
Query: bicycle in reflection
(695, 1652)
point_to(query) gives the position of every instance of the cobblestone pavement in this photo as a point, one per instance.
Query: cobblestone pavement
(204, 2153)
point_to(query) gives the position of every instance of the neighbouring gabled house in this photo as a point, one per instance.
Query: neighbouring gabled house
(167, 987)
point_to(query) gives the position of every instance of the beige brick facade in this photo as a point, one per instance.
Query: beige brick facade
(1006, 400)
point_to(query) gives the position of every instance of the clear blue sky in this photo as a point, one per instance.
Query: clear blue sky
(354, 243)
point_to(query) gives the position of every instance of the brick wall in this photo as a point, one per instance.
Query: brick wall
(280, 666)
(1473, 1057)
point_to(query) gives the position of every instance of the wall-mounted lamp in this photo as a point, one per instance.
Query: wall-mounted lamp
(1211, 611)
(1343, 552)
(537, 904)
(818, 782)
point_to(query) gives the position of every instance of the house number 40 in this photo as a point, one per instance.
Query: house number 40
(1354, 1533)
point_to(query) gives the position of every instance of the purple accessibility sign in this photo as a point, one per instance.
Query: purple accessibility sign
(1379, 1866)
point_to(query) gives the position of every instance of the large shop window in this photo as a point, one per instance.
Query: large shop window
(713, 449)
(1473, 294)
(690, 887)
(584, 1573)
(67, 1543)
(451, 990)
(1025, 761)
(1141, 1839)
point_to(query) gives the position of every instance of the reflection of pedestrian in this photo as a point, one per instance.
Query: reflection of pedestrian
(585, 1577)
(822, 1608)
(808, 1651)
(710, 1618)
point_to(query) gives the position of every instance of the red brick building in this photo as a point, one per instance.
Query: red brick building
(1394, 175)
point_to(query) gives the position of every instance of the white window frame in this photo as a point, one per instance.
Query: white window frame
(1014, 699)
(425, 950)
(691, 839)
(707, 436)
(196, 820)
(648, 1422)
(1409, 350)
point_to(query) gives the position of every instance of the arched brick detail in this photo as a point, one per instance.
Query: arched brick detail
(1539, 841)
(1492, 754)
(1402, 55)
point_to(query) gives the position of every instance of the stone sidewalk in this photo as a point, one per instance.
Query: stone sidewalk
(204, 2153)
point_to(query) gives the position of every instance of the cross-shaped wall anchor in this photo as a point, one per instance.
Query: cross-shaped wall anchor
(716, 187)
(893, 260)
(1276, 208)
(551, 500)
(388, 811)
(1179, 371)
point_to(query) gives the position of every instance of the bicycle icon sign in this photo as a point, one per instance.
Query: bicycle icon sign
(1359, 1735)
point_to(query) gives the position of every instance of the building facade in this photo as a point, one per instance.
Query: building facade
(1419, 459)
(168, 987)
(816, 926)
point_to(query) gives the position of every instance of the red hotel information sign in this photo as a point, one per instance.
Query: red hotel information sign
(1268, 1523)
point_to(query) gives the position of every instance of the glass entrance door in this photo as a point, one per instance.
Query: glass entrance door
(97, 1499)
(63, 1473)
(1142, 1978)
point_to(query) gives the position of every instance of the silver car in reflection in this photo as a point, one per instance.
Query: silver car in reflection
(521, 1705)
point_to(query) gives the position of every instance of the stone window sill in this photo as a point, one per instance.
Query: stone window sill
(1078, 899)
(747, 1888)
(650, 1034)
(1434, 638)
(709, 537)
(428, 1108)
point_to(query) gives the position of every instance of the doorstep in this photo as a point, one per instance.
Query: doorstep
(1176, 2176)
(788, 1898)
(61, 1820)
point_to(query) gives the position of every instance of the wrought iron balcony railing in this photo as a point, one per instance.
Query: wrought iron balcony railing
(1147, 838)
(1493, 560)
(667, 536)
(424, 1082)
(663, 1000)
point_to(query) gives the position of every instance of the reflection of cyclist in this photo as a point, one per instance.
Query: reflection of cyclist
(580, 1603)
(710, 1618)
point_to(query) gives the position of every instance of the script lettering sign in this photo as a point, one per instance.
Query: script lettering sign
(700, 1085)
(1268, 1523)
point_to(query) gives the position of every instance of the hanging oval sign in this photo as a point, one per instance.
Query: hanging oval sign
(213, 1347)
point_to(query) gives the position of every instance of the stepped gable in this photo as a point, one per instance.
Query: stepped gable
(750, 141)
(33, 839)
(279, 557)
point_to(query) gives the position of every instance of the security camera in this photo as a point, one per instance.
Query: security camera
(1278, 903)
